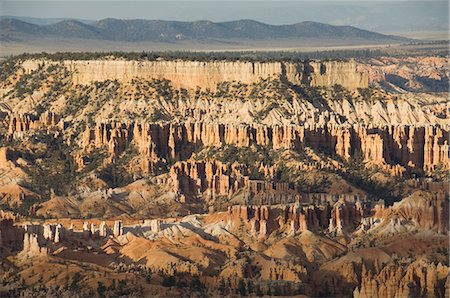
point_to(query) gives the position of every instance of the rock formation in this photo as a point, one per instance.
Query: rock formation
(118, 228)
(155, 225)
(254, 178)
(31, 247)
(411, 147)
(58, 232)
(428, 211)
(23, 123)
(418, 279)
(193, 74)
(342, 217)
(288, 244)
(413, 74)
(103, 230)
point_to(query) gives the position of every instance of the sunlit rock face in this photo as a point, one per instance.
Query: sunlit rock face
(325, 242)
(219, 178)
(193, 74)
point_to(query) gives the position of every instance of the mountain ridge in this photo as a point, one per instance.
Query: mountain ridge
(137, 30)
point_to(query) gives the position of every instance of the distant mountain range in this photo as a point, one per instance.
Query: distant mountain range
(15, 30)
(44, 21)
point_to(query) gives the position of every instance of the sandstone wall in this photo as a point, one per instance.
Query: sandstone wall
(190, 74)
(419, 279)
(213, 178)
(340, 218)
(427, 211)
(330, 73)
(406, 146)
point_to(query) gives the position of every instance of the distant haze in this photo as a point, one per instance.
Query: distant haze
(380, 16)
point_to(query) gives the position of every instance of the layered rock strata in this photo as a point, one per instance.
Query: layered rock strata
(295, 218)
(408, 146)
(206, 75)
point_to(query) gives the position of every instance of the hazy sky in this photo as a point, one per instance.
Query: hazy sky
(383, 16)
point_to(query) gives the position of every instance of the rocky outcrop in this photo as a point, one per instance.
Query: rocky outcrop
(154, 224)
(301, 243)
(416, 280)
(31, 247)
(407, 146)
(118, 228)
(339, 219)
(53, 232)
(214, 178)
(330, 73)
(427, 211)
(58, 233)
(103, 229)
(6, 156)
(381, 278)
(414, 74)
(206, 75)
(21, 123)
(9, 215)
(344, 216)
(48, 232)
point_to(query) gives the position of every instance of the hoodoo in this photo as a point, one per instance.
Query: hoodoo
(172, 177)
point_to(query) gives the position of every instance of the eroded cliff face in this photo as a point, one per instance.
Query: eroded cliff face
(206, 75)
(410, 147)
(346, 247)
(330, 73)
(277, 182)
(418, 279)
(340, 218)
(148, 126)
(396, 149)
(417, 74)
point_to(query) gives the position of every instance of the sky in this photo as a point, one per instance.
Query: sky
(382, 16)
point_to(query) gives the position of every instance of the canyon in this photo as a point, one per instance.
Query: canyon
(195, 246)
(224, 178)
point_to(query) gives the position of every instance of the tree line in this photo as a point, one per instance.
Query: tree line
(248, 56)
